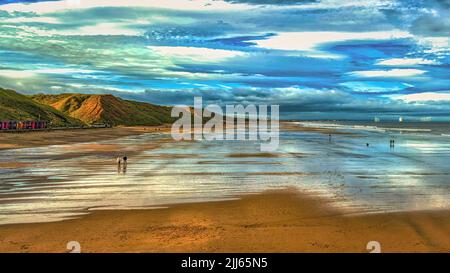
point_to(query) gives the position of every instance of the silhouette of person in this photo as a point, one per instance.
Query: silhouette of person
(392, 143)
(125, 164)
(119, 163)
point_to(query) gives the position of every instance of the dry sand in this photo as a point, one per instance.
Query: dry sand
(274, 221)
(59, 137)
(13, 165)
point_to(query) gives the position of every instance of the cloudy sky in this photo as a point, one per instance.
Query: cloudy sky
(315, 58)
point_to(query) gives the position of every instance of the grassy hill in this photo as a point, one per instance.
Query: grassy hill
(106, 109)
(15, 106)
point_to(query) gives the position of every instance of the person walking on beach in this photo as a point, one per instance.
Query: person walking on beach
(125, 164)
(119, 163)
(392, 143)
(329, 138)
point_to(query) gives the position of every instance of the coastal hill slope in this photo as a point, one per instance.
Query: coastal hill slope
(15, 106)
(106, 109)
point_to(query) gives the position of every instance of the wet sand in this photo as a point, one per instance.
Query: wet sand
(60, 137)
(274, 221)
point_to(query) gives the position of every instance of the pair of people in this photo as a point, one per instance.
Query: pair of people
(122, 163)
(392, 143)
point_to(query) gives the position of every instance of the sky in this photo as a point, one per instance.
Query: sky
(317, 59)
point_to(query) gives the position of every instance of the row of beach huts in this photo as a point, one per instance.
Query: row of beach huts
(30, 125)
(8, 125)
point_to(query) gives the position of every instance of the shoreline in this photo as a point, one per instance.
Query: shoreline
(273, 221)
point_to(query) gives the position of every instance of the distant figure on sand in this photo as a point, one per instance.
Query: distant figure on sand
(122, 163)
(392, 143)
(119, 163)
(125, 164)
(367, 144)
(329, 137)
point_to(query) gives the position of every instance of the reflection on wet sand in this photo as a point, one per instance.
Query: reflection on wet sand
(62, 181)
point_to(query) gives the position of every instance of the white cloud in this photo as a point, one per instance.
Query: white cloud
(391, 73)
(192, 54)
(406, 62)
(21, 74)
(52, 6)
(77, 85)
(16, 74)
(434, 45)
(375, 87)
(37, 19)
(103, 29)
(93, 30)
(309, 41)
(63, 71)
(427, 96)
(335, 4)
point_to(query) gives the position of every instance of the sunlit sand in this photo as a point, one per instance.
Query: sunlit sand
(194, 195)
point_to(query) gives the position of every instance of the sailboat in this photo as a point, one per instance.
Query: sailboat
(400, 119)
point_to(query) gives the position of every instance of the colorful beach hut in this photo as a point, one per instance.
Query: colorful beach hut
(4, 125)
(22, 125)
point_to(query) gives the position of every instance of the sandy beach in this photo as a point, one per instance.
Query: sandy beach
(274, 221)
(225, 126)
(59, 137)
(72, 136)
(283, 220)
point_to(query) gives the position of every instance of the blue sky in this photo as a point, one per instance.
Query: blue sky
(315, 58)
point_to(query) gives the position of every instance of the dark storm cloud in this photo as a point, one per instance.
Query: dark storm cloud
(436, 22)
(299, 101)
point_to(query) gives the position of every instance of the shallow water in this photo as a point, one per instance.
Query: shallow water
(66, 181)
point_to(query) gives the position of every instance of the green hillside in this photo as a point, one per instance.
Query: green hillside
(15, 106)
(106, 109)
